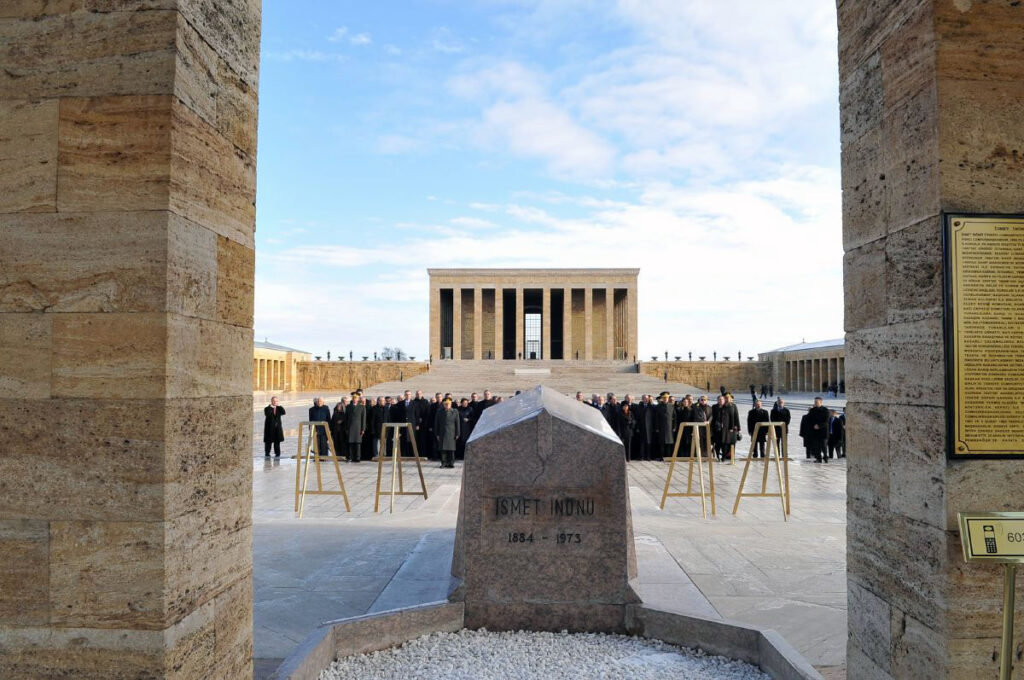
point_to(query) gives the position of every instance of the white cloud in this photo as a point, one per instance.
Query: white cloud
(304, 55)
(445, 42)
(360, 39)
(398, 144)
(339, 34)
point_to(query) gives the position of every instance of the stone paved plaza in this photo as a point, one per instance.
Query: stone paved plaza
(752, 567)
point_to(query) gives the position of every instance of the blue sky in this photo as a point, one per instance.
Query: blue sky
(696, 140)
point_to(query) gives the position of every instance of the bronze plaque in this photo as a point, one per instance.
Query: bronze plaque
(985, 335)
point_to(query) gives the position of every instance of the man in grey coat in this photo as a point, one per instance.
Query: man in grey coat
(447, 428)
(355, 426)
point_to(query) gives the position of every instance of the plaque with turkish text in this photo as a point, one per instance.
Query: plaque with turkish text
(984, 308)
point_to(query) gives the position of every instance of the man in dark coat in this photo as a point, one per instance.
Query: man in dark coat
(702, 414)
(625, 424)
(754, 416)
(373, 408)
(645, 425)
(780, 414)
(273, 431)
(424, 440)
(817, 419)
(319, 412)
(664, 427)
(724, 426)
(465, 418)
(405, 411)
(338, 426)
(447, 428)
(685, 414)
(805, 434)
(355, 427)
(428, 425)
(836, 435)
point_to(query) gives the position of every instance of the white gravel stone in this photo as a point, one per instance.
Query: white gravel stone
(481, 655)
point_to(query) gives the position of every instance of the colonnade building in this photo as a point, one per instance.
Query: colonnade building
(809, 366)
(533, 314)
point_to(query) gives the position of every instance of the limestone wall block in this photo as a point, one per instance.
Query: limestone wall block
(865, 199)
(25, 359)
(207, 553)
(109, 355)
(865, 275)
(913, 263)
(869, 624)
(859, 665)
(107, 574)
(28, 155)
(236, 267)
(233, 630)
(114, 153)
(897, 364)
(867, 441)
(191, 269)
(212, 183)
(860, 109)
(119, 265)
(81, 653)
(24, 573)
(208, 457)
(911, 159)
(233, 28)
(207, 358)
(80, 53)
(997, 26)
(982, 164)
(917, 437)
(917, 651)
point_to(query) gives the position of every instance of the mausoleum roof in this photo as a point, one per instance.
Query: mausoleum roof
(820, 344)
(263, 344)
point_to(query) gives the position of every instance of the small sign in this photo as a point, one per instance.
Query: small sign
(992, 536)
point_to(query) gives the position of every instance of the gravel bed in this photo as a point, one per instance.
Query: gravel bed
(480, 655)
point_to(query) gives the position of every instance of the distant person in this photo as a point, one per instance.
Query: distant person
(702, 414)
(579, 397)
(836, 436)
(664, 427)
(625, 426)
(319, 413)
(447, 428)
(771, 389)
(465, 416)
(685, 413)
(338, 426)
(753, 395)
(805, 435)
(273, 431)
(780, 414)
(817, 419)
(645, 427)
(757, 415)
(407, 411)
(355, 428)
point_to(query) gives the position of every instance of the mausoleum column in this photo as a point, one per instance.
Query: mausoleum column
(435, 322)
(499, 323)
(588, 323)
(545, 332)
(457, 323)
(478, 322)
(609, 322)
(127, 207)
(634, 331)
(519, 322)
(567, 324)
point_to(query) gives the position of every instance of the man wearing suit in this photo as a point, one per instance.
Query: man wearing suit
(664, 427)
(319, 412)
(355, 428)
(817, 422)
(754, 416)
(685, 414)
(836, 436)
(273, 432)
(447, 428)
(423, 438)
(406, 411)
(780, 414)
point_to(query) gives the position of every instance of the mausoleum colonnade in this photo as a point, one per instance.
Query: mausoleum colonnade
(534, 314)
(275, 367)
(808, 366)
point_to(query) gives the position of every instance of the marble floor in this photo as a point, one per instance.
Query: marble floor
(753, 566)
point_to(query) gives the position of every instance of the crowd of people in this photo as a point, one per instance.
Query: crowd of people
(648, 427)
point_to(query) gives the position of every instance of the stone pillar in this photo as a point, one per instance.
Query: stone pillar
(435, 322)
(932, 119)
(456, 323)
(588, 323)
(634, 332)
(545, 329)
(519, 322)
(499, 323)
(567, 324)
(127, 190)
(609, 323)
(478, 322)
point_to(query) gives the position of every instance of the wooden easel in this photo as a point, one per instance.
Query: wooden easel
(303, 463)
(771, 453)
(396, 460)
(695, 455)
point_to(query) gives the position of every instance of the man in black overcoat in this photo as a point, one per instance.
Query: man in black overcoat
(702, 414)
(780, 414)
(406, 411)
(424, 440)
(664, 427)
(836, 435)
(754, 416)
(817, 420)
(319, 412)
(273, 431)
(685, 414)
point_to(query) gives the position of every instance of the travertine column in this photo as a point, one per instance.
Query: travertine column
(932, 117)
(127, 189)
(456, 324)
(609, 322)
(499, 323)
(588, 323)
(435, 322)
(634, 332)
(545, 328)
(478, 322)
(567, 324)
(519, 322)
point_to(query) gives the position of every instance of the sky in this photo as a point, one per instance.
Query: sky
(695, 140)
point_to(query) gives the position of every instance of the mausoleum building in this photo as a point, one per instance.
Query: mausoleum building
(533, 314)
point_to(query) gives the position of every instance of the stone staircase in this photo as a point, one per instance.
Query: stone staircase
(505, 377)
